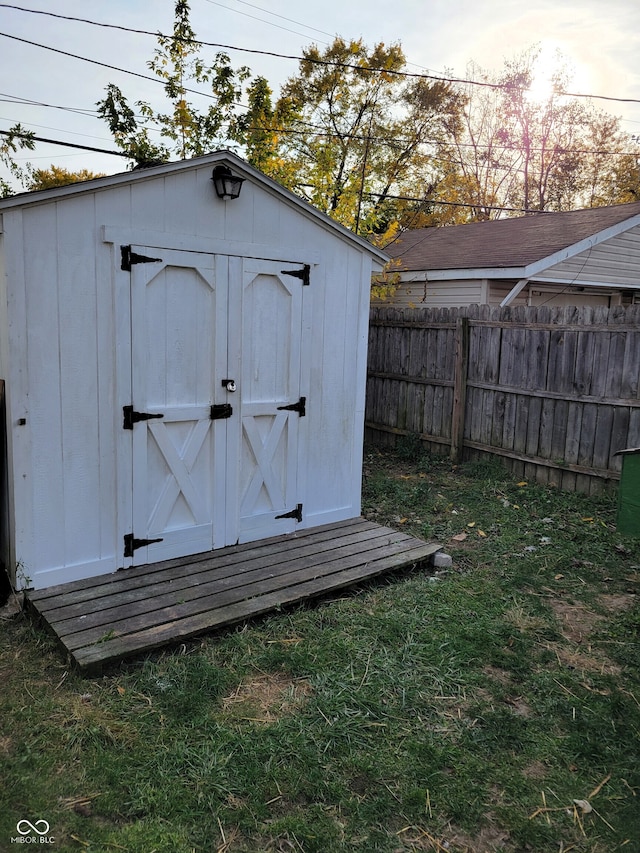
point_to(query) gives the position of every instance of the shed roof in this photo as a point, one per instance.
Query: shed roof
(227, 157)
(509, 243)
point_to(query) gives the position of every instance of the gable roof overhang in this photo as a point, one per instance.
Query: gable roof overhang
(536, 269)
(225, 157)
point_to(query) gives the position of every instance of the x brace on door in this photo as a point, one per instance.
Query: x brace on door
(263, 452)
(180, 467)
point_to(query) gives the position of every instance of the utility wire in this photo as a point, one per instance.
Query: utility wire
(102, 64)
(275, 15)
(262, 20)
(372, 194)
(319, 131)
(314, 61)
(66, 144)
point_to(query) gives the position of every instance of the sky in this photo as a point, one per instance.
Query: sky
(599, 38)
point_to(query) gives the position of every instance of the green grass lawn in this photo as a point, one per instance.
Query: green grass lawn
(494, 706)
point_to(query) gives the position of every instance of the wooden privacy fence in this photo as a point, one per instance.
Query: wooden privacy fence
(553, 391)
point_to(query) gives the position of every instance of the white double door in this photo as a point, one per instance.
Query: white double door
(218, 405)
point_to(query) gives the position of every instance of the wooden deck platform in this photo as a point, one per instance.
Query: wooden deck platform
(103, 620)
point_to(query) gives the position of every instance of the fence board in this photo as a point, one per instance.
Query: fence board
(555, 392)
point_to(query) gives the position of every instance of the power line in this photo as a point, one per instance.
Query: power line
(318, 131)
(321, 131)
(65, 144)
(413, 199)
(314, 61)
(6, 98)
(102, 64)
(282, 17)
(262, 20)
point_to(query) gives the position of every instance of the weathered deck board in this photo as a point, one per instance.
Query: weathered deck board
(100, 621)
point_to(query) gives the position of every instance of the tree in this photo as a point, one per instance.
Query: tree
(261, 131)
(359, 133)
(187, 132)
(56, 176)
(15, 139)
(516, 150)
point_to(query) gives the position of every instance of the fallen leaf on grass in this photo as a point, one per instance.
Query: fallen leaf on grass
(471, 524)
(584, 805)
(599, 787)
(482, 533)
(522, 483)
(459, 537)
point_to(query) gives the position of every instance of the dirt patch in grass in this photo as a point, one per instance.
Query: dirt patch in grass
(588, 660)
(519, 707)
(496, 674)
(264, 698)
(488, 840)
(577, 622)
(617, 603)
(535, 770)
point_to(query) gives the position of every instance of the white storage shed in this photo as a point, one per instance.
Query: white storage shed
(181, 372)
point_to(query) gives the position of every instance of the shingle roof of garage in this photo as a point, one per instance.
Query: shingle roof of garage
(504, 243)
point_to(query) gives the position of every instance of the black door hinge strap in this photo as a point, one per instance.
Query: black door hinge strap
(130, 417)
(300, 407)
(131, 544)
(302, 274)
(128, 258)
(295, 513)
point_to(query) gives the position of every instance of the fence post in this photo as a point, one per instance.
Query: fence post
(459, 387)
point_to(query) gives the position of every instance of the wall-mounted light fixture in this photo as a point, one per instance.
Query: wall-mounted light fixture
(227, 185)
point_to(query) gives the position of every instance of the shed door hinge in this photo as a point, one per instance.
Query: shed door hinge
(302, 274)
(295, 513)
(128, 258)
(130, 417)
(131, 544)
(300, 407)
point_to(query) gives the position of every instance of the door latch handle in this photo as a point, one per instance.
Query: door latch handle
(229, 384)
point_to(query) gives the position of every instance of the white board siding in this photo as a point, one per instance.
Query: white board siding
(437, 294)
(335, 404)
(68, 304)
(615, 262)
(64, 469)
(536, 293)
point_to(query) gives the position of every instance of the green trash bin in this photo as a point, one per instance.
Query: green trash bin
(628, 521)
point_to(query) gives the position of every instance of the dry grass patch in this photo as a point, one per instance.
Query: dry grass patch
(495, 673)
(617, 603)
(535, 770)
(523, 621)
(488, 840)
(577, 621)
(266, 697)
(587, 661)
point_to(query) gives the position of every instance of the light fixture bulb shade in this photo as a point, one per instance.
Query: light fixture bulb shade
(227, 185)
